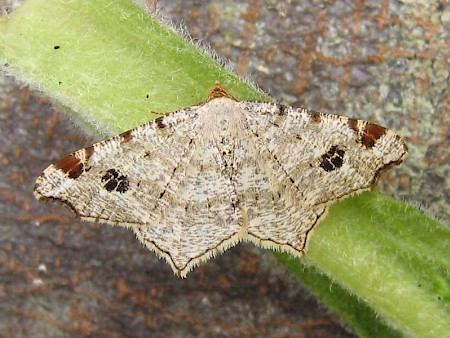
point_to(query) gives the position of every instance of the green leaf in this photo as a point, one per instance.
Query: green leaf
(388, 254)
(109, 62)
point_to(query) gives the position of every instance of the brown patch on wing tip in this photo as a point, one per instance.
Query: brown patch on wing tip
(70, 165)
(217, 91)
(371, 134)
(88, 152)
(353, 123)
(126, 136)
(315, 116)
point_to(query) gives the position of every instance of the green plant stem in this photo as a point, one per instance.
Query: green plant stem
(114, 68)
(388, 254)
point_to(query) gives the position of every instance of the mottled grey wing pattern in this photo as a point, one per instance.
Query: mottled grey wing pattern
(305, 160)
(115, 181)
(322, 157)
(195, 182)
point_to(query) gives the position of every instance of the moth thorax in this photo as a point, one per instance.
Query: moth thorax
(223, 121)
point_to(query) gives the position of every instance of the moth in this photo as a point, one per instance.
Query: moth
(197, 181)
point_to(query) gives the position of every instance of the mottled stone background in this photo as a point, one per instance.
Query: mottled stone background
(385, 61)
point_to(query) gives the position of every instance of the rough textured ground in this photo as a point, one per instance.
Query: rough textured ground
(386, 61)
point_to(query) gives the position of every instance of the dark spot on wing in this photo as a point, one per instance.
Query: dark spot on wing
(315, 116)
(159, 122)
(123, 184)
(126, 136)
(235, 204)
(332, 159)
(56, 47)
(371, 134)
(282, 110)
(114, 181)
(70, 165)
